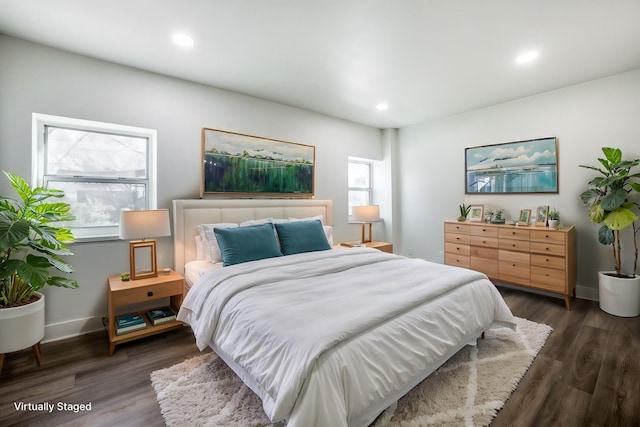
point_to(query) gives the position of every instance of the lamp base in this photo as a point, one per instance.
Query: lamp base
(368, 239)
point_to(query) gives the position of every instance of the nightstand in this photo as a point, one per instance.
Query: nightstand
(381, 246)
(123, 293)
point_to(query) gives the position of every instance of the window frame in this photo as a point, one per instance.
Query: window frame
(368, 189)
(40, 122)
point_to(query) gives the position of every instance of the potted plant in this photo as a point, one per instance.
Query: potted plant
(464, 212)
(554, 218)
(497, 217)
(32, 247)
(610, 202)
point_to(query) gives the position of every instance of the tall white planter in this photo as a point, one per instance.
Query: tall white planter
(21, 327)
(618, 296)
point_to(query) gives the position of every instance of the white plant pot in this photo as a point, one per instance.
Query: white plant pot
(619, 296)
(554, 223)
(21, 327)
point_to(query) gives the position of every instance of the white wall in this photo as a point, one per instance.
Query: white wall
(35, 78)
(583, 117)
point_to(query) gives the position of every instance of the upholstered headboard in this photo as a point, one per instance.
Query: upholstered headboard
(188, 214)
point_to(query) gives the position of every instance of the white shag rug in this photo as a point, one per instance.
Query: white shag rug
(469, 389)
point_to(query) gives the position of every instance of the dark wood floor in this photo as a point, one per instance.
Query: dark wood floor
(588, 374)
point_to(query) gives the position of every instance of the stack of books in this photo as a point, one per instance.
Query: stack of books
(158, 316)
(129, 323)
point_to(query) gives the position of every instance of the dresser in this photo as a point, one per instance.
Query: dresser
(532, 257)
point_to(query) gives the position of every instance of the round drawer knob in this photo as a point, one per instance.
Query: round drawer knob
(149, 294)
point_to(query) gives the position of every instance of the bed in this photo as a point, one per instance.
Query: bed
(326, 337)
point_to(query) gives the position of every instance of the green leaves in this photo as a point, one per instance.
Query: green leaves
(33, 241)
(608, 199)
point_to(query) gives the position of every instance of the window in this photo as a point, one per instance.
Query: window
(101, 167)
(360, 187)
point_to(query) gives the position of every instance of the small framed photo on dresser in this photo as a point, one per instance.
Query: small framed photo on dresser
(525, 216)
(477, 213)
(542, 214)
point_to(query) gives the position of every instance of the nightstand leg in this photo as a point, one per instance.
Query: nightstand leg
(112, 348)
(1, 361)
(36, 350)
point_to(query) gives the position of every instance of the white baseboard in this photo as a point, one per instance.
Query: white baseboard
(72, 328)
(582, 292)
(585, 292)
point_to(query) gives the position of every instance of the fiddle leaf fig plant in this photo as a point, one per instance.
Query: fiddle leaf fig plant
(610, 202)
(32, 242)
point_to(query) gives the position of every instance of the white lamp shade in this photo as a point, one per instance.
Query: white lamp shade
(366, 213)
(144, 224)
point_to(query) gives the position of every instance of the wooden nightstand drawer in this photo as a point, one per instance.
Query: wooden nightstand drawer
(146, 293)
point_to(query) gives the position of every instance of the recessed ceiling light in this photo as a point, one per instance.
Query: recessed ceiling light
(182, 40)
(526, 58)
(381, 106)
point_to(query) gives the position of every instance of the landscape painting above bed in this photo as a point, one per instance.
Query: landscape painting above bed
(238, 164)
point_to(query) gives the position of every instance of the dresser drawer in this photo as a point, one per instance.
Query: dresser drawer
(485, 265)
(547, 248)
(546, 261)
(548, 236)
(485, 253)
(489, 242)
(514, 245)
(514, 272)
(509, 256)
(513, 233)
(484, 231)
(457, 238)
(147, 293)
(457, 260)
(456, 228)
(548, 279)
(456, 248)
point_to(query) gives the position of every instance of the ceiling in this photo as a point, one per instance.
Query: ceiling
(424, 58)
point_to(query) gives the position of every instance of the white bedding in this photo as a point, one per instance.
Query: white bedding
(193, 270)
(331, 338)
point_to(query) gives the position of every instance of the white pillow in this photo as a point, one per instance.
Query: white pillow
(328, 231)
(200, 254)
(209, 240)
(311, 218)
(256, 222)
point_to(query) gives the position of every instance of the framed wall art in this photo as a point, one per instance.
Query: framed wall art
(246, 165)
(524, 217)
(542, 214)
(476, 213)
(529, 166)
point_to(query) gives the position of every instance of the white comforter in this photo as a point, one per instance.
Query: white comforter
(333, 337)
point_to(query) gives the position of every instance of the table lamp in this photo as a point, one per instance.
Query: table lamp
(366, 215)
(141, 225)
